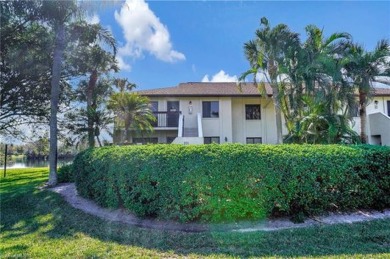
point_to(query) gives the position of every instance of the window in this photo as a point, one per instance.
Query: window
(388, 108)
(254, 140)
(145, 140)
(210, 109)
(209, 140)
(252, 112)
(154, 106)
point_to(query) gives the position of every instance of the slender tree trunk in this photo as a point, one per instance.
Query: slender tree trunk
(127, 131)
(128, 136)
(273, 70)
(363, 116)
(54, 99)
(278, 115)
(98, 140)
(90, 108)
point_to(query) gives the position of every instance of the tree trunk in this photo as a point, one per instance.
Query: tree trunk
(272, 70)
(90, 108)
(363, 116)
(98, 140)
(127, 138)
(278, 115)
(54, 99)
(127, 131)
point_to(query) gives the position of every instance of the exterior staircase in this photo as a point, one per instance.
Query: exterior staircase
(188, 136)
(190, 132)
(379, 128)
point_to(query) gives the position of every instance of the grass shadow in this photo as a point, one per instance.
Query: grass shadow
(28, 214)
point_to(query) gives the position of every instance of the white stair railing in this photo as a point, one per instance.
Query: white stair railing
(180, 126)
(200, 127)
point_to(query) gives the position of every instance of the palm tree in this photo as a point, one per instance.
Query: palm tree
(132, 110)
(76, 125)
(266, 54)
(57, 14)
(91, 58)
(123, 84)
(363, 68)
(314, 74)
(318, 126)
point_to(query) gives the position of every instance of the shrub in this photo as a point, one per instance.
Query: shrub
(65, 174)
(233, 182)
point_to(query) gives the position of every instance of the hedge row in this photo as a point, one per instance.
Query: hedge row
(215, 183)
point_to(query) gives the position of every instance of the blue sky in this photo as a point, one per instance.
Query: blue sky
(164, 43)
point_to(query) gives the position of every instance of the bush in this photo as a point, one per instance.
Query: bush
(65, 174)
(232, 182)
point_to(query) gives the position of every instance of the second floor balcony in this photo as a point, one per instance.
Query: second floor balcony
(166, 119)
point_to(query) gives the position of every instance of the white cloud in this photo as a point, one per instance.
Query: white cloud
(122, 64)
(144, 32)
(221, 76)
(93, 19)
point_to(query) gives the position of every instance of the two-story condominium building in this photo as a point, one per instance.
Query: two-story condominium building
(197, 113)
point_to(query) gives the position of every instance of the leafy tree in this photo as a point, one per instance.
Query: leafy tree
(363, 68)
(25, 58)
(132, 111)
(51, 27)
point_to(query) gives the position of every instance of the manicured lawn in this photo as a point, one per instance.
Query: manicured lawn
(40, 224)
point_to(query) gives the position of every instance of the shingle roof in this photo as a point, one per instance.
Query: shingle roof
(221, 89)
(382, 92)
(207, 89)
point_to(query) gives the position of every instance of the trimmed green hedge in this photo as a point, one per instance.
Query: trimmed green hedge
(65, 174)
(216, 183)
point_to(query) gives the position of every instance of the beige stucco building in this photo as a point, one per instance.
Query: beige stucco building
(197, 113)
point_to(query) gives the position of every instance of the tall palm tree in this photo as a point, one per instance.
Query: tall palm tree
(57, 14)
(265, 55)
(132, 110)
(90, 57)
(314, 74)
(363, 68)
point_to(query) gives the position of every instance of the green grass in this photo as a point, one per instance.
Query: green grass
(40, 224)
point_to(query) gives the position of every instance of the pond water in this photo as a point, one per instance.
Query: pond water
(24, 163)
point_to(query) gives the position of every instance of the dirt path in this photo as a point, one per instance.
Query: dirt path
(68, 191)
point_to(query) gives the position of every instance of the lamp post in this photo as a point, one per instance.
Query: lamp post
(6, 156)
(5, 159)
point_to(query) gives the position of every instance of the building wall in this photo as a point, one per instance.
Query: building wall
(379, 127)
(372, 108)
(162, 136)
(243, 128)
(232, 126)
(190, 110)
